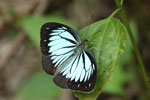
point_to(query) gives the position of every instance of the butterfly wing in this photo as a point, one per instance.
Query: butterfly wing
(57, 44)
(73, 71)
(79, 74)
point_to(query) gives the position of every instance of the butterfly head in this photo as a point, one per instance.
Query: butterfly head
(85, 43)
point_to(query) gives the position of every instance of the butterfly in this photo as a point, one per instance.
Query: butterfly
(66, 58)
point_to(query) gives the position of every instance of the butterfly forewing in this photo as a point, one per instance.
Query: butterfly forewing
(57, 44)
(73, 70)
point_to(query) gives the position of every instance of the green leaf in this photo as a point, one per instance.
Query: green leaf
(115, 85)
(108, 37)
(38, 87)
(119, 77)
(128, 56)
(32, 25)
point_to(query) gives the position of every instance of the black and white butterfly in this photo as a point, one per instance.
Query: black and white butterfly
(66, 57)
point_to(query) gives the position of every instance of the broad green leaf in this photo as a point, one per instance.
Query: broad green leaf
(38, 87)
(119, 76)
(32, 25)
(108, 38)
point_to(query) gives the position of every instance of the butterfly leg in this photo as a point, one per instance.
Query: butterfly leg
(95, 48)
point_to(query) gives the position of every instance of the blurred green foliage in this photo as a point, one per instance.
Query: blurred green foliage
(38, 87)
(115, 85)
(32, 25)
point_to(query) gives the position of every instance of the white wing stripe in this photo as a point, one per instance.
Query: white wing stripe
(67, 35)
(60, 28)
(65, 57)
(79, 67)
(68, 75)
(60, 61)
(75, 65)
(64, 27)
(55, 33)
(73, 75)
(59, 46)
(67, 68)
(85, 79)
(78, 75)
(58, 31)
(54, 38)
(57, 59)
(93, 66)
(87, 62)
(53, 57)
(66, 71)
(89, 72)
(82, 75)
(55, 42)
(62, 51)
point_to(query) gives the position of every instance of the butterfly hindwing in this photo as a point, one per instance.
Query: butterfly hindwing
(88, 74)
(57, 44)
(79, 74)
(47, 65)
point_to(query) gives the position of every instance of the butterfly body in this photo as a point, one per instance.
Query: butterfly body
(67, 58)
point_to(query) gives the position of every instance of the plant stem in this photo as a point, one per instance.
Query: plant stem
(137, 53)
(116, 11)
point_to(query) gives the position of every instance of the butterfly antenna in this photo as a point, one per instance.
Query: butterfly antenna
(89, 25)
(93, 33)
